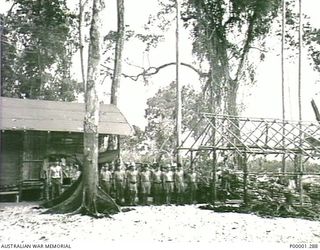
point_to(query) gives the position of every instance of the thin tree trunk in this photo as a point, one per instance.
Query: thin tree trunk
(117, 70)
(178, 85)
(40, 70)
(81, 45)
(283, 81)
(299, 101)
(118, 54)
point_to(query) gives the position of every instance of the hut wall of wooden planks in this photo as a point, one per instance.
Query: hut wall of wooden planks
(36, 131)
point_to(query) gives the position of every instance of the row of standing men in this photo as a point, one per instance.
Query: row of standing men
(162, 184)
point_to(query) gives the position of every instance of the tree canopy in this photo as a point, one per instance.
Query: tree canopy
(224, 32)
(160, 113)
(39, 41)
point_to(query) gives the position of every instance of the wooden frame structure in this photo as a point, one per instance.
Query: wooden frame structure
(242, 137)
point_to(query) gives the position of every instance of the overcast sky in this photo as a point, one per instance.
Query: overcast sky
(262, 100)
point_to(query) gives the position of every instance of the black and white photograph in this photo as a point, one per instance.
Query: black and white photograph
(160, 124)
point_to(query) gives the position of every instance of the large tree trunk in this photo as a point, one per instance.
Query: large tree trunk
(234, 128)
(71, 201)
(91, 119)
(232, 107)
(85, 196)
(232, 110)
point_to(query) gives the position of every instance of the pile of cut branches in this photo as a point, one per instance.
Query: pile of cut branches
(272, 197)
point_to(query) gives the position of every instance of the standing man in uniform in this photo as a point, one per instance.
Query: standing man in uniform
(106, 178)
(55, 179)
(157, 185)
(179, 183)
(132, 184)
(168, 184)
(145, 183)
(193, 186)
(119, 182)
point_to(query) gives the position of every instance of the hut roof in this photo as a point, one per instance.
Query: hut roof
(40, 115)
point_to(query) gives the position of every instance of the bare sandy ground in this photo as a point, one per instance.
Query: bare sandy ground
(20, 223)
